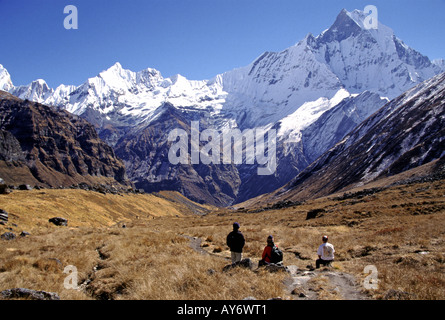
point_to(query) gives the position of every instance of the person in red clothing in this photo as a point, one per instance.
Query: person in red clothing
(267, 252)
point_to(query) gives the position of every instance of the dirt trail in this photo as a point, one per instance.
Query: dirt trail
(300, 283)
(195, 244)
(347, 286)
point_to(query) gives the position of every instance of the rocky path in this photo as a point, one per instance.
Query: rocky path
(310, 285)
(195, 244)
(325, 283)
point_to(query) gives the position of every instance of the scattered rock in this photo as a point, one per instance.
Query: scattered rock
(360, 194)
(396, 295)
(272, 267)
(310, 267)
(315, 213)
(24, 187)
(245, 263)
(211, 272)
(351, 223)
(8, 236)
(59, 221)
(24, 234)
(299, 292)
(102, 188)
(249, 298)
(4, 189)
(22, 293)
(284, 204)
(3, 216)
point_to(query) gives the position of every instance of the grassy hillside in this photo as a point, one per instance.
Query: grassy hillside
(399, 230)
(30, 210)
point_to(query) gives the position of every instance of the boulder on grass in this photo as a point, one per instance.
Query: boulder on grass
(315, 213)
(22, 293)
(275, 267)
(3, 215)
(245, 263)
(4, 189)
(25, 187)
(8, 236)
(24, 234)
(59, 221)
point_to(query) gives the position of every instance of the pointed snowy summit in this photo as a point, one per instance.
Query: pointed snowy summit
(5, 79)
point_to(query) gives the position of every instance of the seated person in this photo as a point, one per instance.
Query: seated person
(267, 252)
(325, 253)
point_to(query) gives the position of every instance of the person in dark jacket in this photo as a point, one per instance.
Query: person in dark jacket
(236, 241)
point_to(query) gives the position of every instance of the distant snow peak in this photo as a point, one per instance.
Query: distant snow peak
(292, 126)
(5, 79)
(347, 56)
(38, 91)
(440, 63)
(116, 66)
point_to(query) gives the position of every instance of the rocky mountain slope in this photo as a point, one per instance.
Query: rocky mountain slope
(43, 146)
(406, 133)
(312, 93)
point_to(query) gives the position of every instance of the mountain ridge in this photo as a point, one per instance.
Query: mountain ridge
(322, 49)
(345, 74)
(404, 134)
(52, 148)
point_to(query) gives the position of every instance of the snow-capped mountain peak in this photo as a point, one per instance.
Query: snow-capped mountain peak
(5, 79)
(344, 27)
(313, 93)
(371, 59)
(346, 56)
(440, 63)
(38, 91)
(116, 78)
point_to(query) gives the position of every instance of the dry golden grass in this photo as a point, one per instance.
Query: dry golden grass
(400, 230)
(130, 263)
(30, 210)
(389, 229)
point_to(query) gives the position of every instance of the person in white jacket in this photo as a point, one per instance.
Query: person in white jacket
(325, 253)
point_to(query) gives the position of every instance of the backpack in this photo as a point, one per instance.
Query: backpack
(276, 255)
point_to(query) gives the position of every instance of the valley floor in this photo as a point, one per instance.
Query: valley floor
(170, 249)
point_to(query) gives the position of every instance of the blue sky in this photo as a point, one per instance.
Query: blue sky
(195, 38)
